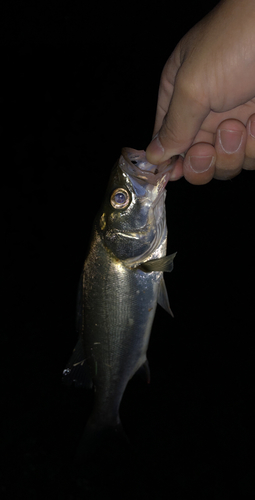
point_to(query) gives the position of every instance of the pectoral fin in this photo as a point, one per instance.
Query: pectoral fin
(163, 300)
(164, 264)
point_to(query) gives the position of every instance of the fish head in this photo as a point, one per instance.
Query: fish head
(132, 222)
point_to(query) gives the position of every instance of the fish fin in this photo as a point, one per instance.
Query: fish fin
(164, 264)
(76, 369)
(144, 372)
(163, 300)
(100, 449)
(97, 437)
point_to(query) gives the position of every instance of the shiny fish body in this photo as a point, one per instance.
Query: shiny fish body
(119, 308)
(121, 284)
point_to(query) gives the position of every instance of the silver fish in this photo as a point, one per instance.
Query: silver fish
(121, 284)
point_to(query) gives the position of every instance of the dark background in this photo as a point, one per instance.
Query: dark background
(81, 82)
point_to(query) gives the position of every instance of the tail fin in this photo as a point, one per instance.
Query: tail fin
(97, 437)
(101, 452)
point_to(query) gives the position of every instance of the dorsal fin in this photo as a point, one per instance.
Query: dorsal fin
(163, 300)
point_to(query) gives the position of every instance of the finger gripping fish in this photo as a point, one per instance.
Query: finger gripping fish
(121, 284)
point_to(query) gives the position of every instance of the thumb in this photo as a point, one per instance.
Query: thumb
(186, 113)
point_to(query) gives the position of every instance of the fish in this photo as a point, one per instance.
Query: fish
(120, 286)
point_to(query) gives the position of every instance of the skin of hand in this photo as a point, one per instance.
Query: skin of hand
(206, 100)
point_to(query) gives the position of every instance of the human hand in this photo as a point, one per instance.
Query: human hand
(206, 101)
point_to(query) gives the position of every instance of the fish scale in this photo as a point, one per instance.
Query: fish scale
(121, 284)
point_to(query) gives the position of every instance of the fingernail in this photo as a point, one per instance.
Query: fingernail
(252, 129)
(155, 149)
(230, 140)
(200, 164)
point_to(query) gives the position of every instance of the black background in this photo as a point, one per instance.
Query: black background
(81, 82)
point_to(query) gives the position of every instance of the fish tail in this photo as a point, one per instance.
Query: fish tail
(98, 435)
(100, 451)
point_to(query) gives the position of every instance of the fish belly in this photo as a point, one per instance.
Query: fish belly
(119, 305)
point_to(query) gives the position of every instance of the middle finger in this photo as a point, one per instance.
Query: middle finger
(230, 149)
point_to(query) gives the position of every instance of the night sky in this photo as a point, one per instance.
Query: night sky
(80, 83)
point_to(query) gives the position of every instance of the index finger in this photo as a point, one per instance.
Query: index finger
(164, 97)
(186, 113)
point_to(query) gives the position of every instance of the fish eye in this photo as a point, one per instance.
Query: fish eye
(120, 198)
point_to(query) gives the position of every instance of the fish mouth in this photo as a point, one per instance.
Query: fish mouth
(148, 182)
(135, 164)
